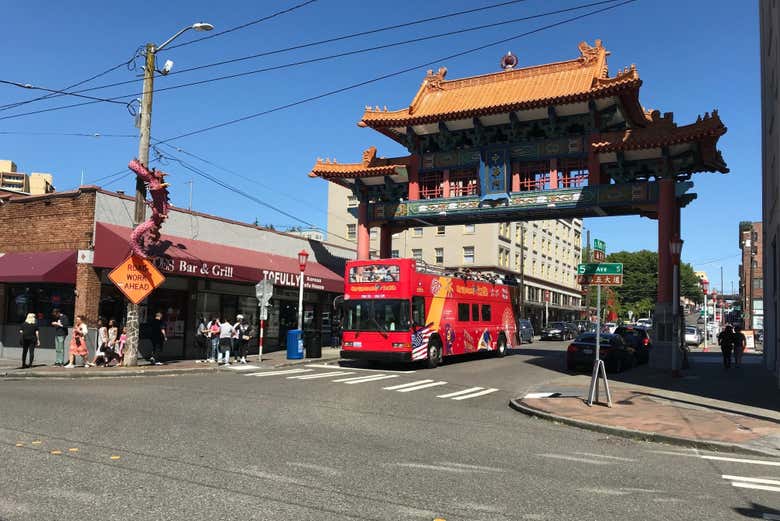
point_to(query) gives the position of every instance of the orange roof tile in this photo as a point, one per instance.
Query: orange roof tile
(438, 99)
(370, 166)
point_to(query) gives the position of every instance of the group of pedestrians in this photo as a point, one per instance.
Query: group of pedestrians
(732, 341)
(218, 338)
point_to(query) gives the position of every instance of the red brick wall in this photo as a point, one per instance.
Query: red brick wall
(53, 222)
(88, 296)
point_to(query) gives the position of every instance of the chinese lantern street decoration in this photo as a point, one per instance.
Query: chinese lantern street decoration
(147, 233)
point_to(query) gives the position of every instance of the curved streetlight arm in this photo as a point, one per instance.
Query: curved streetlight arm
(200, 26)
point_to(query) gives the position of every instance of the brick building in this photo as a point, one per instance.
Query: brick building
(751, 275)
(56, 250)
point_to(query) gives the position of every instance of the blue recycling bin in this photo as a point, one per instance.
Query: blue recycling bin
(294, 344)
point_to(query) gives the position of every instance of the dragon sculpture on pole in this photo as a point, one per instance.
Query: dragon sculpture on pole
(147, 233)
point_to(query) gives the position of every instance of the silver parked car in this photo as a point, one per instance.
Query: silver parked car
(692, 336)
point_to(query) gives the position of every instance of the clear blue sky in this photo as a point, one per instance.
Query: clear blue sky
(693, 56)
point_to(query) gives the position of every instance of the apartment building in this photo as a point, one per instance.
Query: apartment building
(544, 254)
(35, 183)
(751, 274)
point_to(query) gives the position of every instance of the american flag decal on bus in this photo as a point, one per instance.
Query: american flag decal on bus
(420, 343)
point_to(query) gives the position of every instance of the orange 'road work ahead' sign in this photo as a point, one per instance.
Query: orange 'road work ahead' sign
(136, 277)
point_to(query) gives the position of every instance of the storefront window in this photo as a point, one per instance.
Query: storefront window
(39, 299)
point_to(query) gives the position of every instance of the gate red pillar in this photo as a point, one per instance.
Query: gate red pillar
(553, 174)
(385, 241)
(668, 224)
(414, 179)
(363, 237)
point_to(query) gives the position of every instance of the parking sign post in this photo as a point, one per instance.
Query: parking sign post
(263, 291)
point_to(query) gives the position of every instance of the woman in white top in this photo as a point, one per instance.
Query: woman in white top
(101, 344)
(226, 333)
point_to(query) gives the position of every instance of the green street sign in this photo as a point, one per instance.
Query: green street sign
(599, 245)
(603, 268)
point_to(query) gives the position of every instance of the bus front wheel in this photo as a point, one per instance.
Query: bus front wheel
(434, 354)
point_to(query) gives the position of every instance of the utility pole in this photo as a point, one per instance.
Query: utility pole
(139, 215)
(522, 270)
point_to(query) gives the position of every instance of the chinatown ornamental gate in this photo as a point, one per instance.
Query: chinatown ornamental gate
(551, 141)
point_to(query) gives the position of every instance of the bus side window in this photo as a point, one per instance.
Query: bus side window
(475, 312)
(418, 311)
(463, 312)
(486, 312)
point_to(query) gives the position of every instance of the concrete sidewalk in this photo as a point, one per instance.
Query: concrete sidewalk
(12, 369)
(709, 407)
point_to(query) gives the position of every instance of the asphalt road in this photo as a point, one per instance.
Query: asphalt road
(304, 446)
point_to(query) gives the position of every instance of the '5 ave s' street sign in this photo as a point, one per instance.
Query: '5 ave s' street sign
(603, 268)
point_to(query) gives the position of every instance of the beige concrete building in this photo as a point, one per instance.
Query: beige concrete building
(35, 183)
(544, 254)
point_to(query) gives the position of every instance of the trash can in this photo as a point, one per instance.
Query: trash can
(294, 344)
(313, 344)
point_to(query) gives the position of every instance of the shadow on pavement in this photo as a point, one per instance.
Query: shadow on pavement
(757, 511)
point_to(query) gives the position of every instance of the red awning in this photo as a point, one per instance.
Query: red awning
(193, 258)
(39, 266)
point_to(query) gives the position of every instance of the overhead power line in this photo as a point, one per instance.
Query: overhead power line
(302, 62)
(73, 134)
(244, 26)
(246, 195)
(129, 64)
(392, 74)
(35, 87)
(321, 42)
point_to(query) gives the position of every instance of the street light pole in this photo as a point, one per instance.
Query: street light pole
(675, 247)
(303, 256)
(139, 213)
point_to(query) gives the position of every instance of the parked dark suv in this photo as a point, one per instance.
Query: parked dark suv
(638, 338)
(616, 354)
(558, 331)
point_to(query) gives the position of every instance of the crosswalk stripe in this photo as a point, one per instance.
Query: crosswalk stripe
(412, 384)
(741, 484)
(372, 379)
(474, 395)
(743, 460)
(351, 378)
(458, 393)
(423, 386)
(242, 367)
(752, 480)
(274, 373)
(319, 375)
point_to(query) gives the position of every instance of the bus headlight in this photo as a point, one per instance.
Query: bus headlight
(401, 345)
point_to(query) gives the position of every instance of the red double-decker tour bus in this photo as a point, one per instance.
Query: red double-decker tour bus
(399, 310)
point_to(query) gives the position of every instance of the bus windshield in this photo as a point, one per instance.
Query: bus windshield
(377, 315)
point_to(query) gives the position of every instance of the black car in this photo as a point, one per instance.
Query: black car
(558, 331)
(616, 354)
(638, 338)
(525, 331)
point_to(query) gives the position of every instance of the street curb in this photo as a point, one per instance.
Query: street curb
(633, 434)
(124, 373)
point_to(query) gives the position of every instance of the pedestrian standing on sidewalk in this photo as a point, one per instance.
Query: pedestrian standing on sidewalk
(30, 338)
(225, 341)
(740, 343)
(158, 337)
(60, 324)
(201, 340)
(237, 338)
(101, 344)
(78, 342)
(213, 336)
(726, 339)
(243, 334)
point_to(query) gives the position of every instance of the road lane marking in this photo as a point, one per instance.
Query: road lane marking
(371, 379)
(359, 378)
(423, 386)
(410, 384)
(36, 442)
(319, 375)
(56, 452)
(740, 484)
(574, 458)
(327, 366)
(474, 395)
(425, 466)
(472, 467)
(616, 458)
(286, 371)
(742, 460)
(458, 393)
(73, 449)
(762, 481)
(115, 457)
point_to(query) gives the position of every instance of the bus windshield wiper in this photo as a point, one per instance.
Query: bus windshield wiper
(382, 329)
